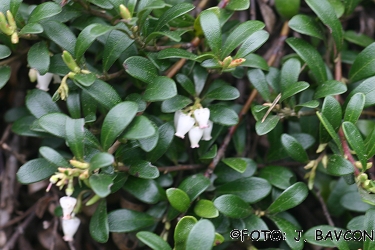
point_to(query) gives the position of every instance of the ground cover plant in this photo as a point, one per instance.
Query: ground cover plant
(169, 124)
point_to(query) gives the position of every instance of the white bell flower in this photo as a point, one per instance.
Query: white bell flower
(201, 116)
(184, 124)
(70, 228)
(195, 135)
(176, 116)
(44, 81)
(207, 132)
(67, 204)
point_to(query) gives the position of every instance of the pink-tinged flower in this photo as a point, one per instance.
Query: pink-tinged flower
(70, 228)
(44, 81)
(67, 204)
(184, 124)
(207, 131)
(195, 135)
(201, 116)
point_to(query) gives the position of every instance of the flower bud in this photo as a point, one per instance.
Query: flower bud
(195, 135)
(201, 116)
(14, 38)
(125, 13)
(70, 227)
(362, 177)
(43, 81)
(33, 75)
(67, 204)
(236, 62)
(184, 124)
(226, 62)
(11, 21)
(70, 62)
(4, 27)
(207, 132)
(78, 164)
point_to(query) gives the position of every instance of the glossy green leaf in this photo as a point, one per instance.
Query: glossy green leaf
(176, 53)
(25, 127)
(330, 87)
(206, 209)
(88, 36)
(141, 68)
(5, 75)
(73, 104)
(54, 123)
(237, 164)
(53, 157)
(152, 240)
(287, 9)
(317, 235)
(182, 231)
(139, 128)
(364, 64)
(4, 51)
(278, 176)
(175, 103)
(143, 169)
(160, 89)
(327, 125)
(194, 185)
(31, 28)
(186, 83)
(326, 13)
(99, 228)
(146, 190)
(101, 160)
(237, 5)
(258, 79)
(293, 148)
(339, 166)
(149, 143)
(85, 79)
(306, 25)
(116, 43)
(311, 57)
(367, 87)
(40, 103)
(172, 13)
(137, 98)
(290, 232)
(289, 198)
(223, 115)
(255, 61)
(289, 74)
(354, 108)
(210, 24)
(369, 226)
(252, 43)
(294, 89)
(178, 199)
(44, 10)
(74, 130)
(232, 206)
(370, 144)
(354, 201)
(60, 34)
(223, 93)
(269, 124)
(117, 119)
(126, 220)
(359, 39)
(174, 35)
(166, 133)
(355, 140)
(101, 184)
(249, 189)
(331, 110)
(201, 236)
(35, 170)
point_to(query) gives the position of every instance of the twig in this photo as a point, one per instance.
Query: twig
(253, 12)
(179, 168)
(111, 76)
(324, 207)
(114, 147)
(14, 58)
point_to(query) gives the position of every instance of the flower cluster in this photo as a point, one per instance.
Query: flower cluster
(69, 222)
(199, 127)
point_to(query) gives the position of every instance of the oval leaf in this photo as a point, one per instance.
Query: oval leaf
(210, 24)
(35, 170)
(43, 11)
(206, 209)
(294, 148)
(161, 88)
(152, 240)
(40, 103)
(126, 220)
(306, 25)
(232, 206)
(269, 124)
(223, 115)
(353, 136)
(178, 199)
(53, 157)
(364, 64)
(101, 160)
(237, 164)
(354, 108)
(194, 185)
(101, 184)
(99, 229)
(75, 136)
(143, 169)
(339, 166)
(201, 236)
(330, 87)
(182, 231)
(141, 68)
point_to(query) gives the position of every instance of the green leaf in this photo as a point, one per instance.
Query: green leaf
(289, 198)
(359, 39)
(141, 68)
(152, 240)
(172, 13)
(326, 13)
(4, 51)
(194, 185)
(223, 93)
(339, 166)
(354, 201)
(370, 144)
(160, 89)
(175, 103)
(101, 184)
(278, 176)
(54, 123)
(223, 115)
(53, 157)
(269, 124)
(31, 28)
(201, 236)
(139, 128)
(293, 148)
(101, 160)
(306, 25)
(43, 11)
(5, 75)
(99, 228)
(182, 231)
(126, 220)
(145, 190)
(40, 103)
(87, 37)
(289, 73)
(252, 43)
(172, 35)
(350, 5)
(186, 83)
(369, 226)
(75, 135)
(35, 170)
(206, 209)
(73, 104)
(149, 143)
(116, 43)
(166, 133)
(330, 87)
(354, 108)
(239, 34)
(176, 53)
(287, 9)
(310, 56)
(258, 79)
(115, 122)
(237, 164)
(331, 110)
(60, 34)
(355, 140)
(364, 64)
(210, 24)
(137, 98)
(290, 232)
(327, 125)
(249, 189)
(293, 89)
(85, 79)
(232, 206)
(317, 235)
(143, 169)
(255, 61)
(237, 5)
(367, 87)
(178, 199)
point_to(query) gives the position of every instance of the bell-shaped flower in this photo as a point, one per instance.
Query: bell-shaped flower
(207, 132)
(176, 116)
(184, 124)
(201, 116)
(195, 135)
(67, 204)
(70, 228)
(44, 81)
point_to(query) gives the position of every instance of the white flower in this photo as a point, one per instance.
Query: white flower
(176, 116)
(207, 131)
(195, 134)
(184, 124)
(67, 204)
(70, 227)
(201, 116)
(44, 81)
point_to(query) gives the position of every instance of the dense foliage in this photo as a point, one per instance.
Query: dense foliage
(177, 124)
